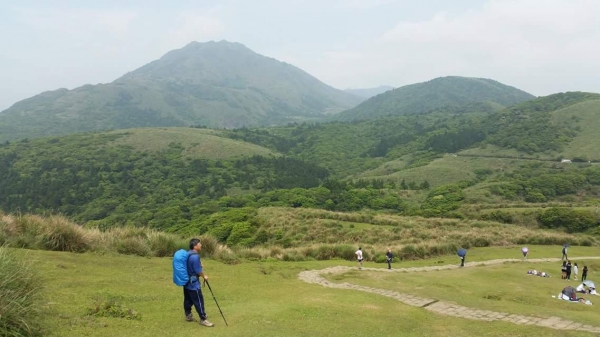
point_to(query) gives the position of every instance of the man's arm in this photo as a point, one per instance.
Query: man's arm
(200, 270)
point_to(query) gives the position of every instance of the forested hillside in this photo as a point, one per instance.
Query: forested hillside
(218, 84)
(449, 94)
(435, 165)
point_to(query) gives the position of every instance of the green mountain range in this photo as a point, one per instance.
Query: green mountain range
(449, 94)
(217, 84)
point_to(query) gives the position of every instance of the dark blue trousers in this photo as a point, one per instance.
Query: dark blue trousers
(195, 298)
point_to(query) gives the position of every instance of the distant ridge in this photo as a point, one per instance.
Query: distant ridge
(217, 84)
(369, 92)
(445, 92)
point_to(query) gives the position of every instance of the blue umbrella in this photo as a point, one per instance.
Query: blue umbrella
(462, 252)
(566, 245)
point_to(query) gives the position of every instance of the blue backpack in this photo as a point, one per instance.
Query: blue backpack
(181, 276)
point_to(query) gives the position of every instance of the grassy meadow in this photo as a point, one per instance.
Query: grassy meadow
(267, 299)
(198, 143)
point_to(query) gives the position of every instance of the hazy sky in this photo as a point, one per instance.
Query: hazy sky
(541, 46)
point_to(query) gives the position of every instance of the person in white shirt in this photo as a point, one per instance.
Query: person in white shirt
(575, 270)
(359, 257)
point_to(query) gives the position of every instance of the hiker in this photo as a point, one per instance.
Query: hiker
(569, 267)
(462, 253)
(584, 273)
(389, 256)
(563, 270)
(564, 253)
(359, 257)
(525, 251)
(575, 271)
(192, 295)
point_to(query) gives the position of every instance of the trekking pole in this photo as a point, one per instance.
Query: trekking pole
(213, 295)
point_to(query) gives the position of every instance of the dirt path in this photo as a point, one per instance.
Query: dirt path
(449, 308)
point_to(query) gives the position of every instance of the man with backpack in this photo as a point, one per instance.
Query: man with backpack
(187, 269)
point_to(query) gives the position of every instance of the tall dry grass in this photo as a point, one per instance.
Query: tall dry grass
(20, 297)
(60, 234)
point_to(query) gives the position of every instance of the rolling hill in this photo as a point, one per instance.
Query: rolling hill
(450, 94)
(217, 84)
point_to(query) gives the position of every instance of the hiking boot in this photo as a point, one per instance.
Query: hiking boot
(189, 318)
(205, 322)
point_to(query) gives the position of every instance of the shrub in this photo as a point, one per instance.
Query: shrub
(112, 308)
(345, 252)
(164, 245)
(226, 256)
(20, 297)
(132, 246)
(61, 235)
(570, 219)
(210, 245)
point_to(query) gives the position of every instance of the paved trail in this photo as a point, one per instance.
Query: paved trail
(449, 308)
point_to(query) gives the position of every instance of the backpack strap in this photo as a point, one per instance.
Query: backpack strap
(187, 265)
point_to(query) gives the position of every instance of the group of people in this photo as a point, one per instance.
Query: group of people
(359, 257)
(569, 269)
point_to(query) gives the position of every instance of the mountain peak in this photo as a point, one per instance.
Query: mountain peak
(449, 92)
(215, 83)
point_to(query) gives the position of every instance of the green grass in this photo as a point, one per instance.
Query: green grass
(478, 287)
(494, 151)
(267, 299)
(198, 143)
(447, 169)
(587, 142)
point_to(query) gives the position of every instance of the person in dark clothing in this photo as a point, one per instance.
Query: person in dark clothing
(564, 253)
(192, 295)
(389, 256)
(462, 253)
(563, 270)
(584, 273)
(569, 267)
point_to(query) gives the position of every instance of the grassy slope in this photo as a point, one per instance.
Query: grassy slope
(267, 299)
(199, 143)
(587, 142)
(444, 170)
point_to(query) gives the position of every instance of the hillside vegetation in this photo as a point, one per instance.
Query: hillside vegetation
(217, 84)
(200, 180)
(453, 93)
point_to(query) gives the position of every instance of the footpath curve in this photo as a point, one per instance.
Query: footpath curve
(449, 308)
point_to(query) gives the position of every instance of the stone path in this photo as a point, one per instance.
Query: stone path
(449, 308)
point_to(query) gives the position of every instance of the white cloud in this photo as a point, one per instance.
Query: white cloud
(542, 46)
(77, 21)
